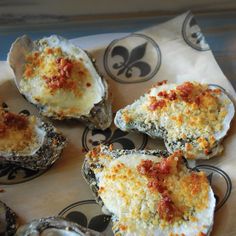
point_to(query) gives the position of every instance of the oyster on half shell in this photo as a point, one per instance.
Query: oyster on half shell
(150, 192)
(28, 142)
(191, 117)
(61, 80)
(54, 226)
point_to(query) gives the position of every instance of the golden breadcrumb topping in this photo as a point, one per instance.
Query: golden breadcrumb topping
(150, 192)
(17, 132)
(61, 80)
(190, 110)
(58, 71)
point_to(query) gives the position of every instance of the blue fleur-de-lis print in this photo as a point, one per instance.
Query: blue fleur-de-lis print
(192, 34)
(133, 59)
(117, 137)
(130, 60)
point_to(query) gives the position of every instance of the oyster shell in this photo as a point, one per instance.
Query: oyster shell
(54, 226)
(145, 190)
(61, 80)
(7, 220)
(28, 142)
(191, 117)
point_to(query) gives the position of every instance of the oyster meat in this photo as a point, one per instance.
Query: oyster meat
(191, 117)
(28, 142)
(61, 80)
(150, 192)
(54, 226)
(7, 220)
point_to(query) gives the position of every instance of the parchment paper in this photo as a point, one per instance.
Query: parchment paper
(175, 51)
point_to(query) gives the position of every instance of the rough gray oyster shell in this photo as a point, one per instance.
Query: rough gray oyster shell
(61, 80)
(54, 226)
(43, 147)
(134, 211)
(7, 220)
(196, 133)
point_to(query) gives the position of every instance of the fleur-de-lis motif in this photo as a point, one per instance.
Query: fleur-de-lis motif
(98, 223)
(112, 135)
(192, 34)
(131, 60)
(116, 137)
(23, 112)
(11, 171)
(88, 214)
(198, 36)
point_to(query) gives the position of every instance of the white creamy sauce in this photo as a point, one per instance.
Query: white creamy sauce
(65, 101)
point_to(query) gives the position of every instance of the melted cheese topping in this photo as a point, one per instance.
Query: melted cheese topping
(190, 112)
(18, 134)
(56, 71)
(60, 77)
(140, 207)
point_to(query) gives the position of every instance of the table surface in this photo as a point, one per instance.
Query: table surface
(218, 28)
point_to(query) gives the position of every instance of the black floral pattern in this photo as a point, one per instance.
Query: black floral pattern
(98, 222)
(192, 34)
(87, 214)
(131, 60)
(13, 174)
(117, 137)
(11, 171)
(132, 64)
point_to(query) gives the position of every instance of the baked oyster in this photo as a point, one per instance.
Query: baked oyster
(191, 117)
(54, 226)
(150, 192)
(28, 142)
(7, 220)
(61, 80)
